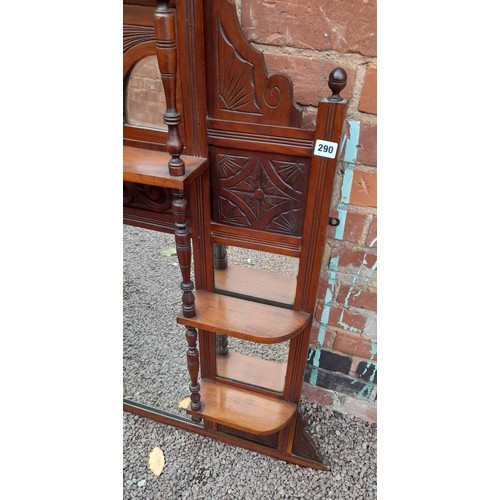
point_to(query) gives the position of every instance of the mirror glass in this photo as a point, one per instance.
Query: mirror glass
(254, 274)
(154, 346)
(144, 96)
(251, 364)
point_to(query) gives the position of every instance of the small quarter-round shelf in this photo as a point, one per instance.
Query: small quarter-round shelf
(244, 319)
(242, 410)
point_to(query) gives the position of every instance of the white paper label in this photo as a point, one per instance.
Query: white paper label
(325, 148)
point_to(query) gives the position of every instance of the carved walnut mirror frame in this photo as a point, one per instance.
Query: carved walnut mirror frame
(240, 170)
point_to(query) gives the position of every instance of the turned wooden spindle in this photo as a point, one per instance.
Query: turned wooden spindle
(337, 81)
(193, 361)
(166, 51)
(183, 247)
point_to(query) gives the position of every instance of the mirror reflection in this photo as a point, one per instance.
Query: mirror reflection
(251, 364)
(144, 96)
(254, 274)
(154, 346)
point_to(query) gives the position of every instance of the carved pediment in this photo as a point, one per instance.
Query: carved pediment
(238, 85)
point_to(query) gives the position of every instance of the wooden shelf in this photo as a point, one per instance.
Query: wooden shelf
(244, 319)
(252, 371)
(256, 283)
(241, 409)
(150, 167)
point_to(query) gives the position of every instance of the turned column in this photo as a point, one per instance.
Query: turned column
(183, 247)
(166, 50)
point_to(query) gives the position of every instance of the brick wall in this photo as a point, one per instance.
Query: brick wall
(306, 40)
(145, 103)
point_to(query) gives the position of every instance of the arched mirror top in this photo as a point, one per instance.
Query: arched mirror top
(144, 99)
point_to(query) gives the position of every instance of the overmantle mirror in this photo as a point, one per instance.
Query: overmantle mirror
(154, 347)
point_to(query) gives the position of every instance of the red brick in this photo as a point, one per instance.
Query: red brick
(323, 285)
(367, 147)
(330, 232)
(364, 189)
(344, 26)
(318, 312)
(309, 76)
(368, 100)
(151, 84)
(372, 233)
(317, 395)
(146, 95)
(357, 297)
(356, 257)
(148, 70)
(341, 317)
(136, 83)
(359, 408)
(354, 225)
(313, 338)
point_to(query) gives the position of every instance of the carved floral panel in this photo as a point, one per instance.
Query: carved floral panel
(260, 191)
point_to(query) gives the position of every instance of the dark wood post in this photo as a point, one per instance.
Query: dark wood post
(166, 50)
(329, 122)
(219, 256)
(183, 247)
(220, 263)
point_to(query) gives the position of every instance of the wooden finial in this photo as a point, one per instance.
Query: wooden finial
(337, 82)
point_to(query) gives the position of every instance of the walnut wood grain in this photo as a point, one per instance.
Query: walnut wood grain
(259, 284)
(252, 371)
(151, 167)
(139, 15)
(243, 319)
(260, 137)
(166, 51)
(243, 410)
(144, 138)
(254, 239)
(192, 76)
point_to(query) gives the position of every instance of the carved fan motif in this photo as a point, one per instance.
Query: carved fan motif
(261, 193)
(294, 174)
(288, 222)
(231, 214)
(235, 79)
(230, 165)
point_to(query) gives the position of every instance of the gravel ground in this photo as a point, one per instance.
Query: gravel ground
(155, 374)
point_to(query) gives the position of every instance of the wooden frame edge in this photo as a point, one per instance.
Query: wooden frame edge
(158, 416)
